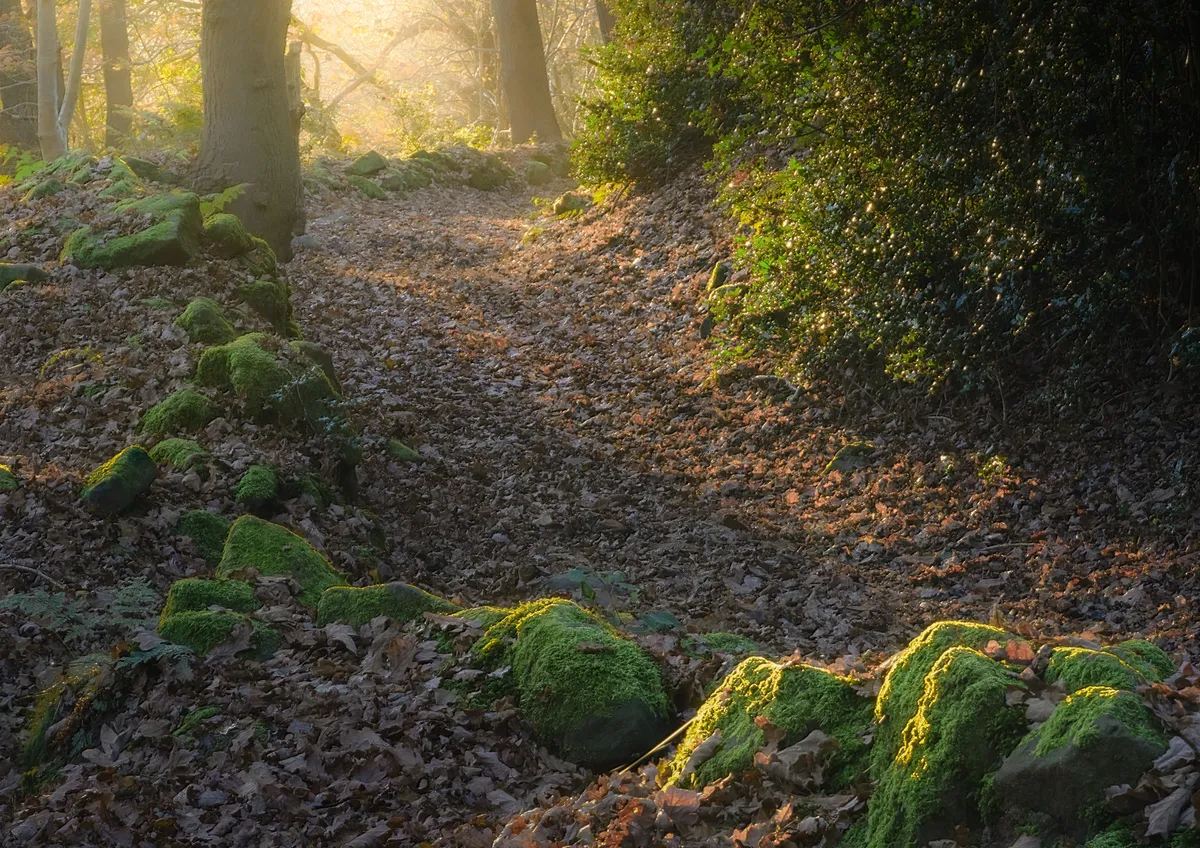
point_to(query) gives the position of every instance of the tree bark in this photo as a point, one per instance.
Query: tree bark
(118, 72)
(75, 78)
(51, 138)
(607, 21)
(18, 78)
(523, 71)
(247, 135)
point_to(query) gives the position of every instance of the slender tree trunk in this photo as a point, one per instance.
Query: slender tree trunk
(118, 72)
(607, 21)
(51, 138)
(18, 78)
(523, 71)
(75, 77)
(247, 135)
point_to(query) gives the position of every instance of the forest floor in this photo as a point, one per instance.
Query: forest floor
(575, 428)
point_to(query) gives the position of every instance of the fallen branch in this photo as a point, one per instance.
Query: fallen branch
(12, 566)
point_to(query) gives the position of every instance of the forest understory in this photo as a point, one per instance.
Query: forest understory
(578, 435)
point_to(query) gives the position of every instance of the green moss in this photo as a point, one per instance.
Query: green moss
(272, 301)
(114, 486)
(538, 173)
(10, 274)
(194, 719)
(172, 239)
(8, 480)
(904, 684)
(179, 453)
(119, 190)
(226, 236)
(485, 617)
(1117, 836)
(1151, 660)
(205, 322)
(270, 391)
(314, 487)
(207, 530)
(193, 594)
(589, 692)
(58, 725)
(258, 487)
(261, 261)
(44, 189)
(1079, 668)
(571, 202)
(321, 358)
(720, 643)
(960, 731)
(203, 630)
(1077, 719)
(271, 549)
(795, 699)
(399, 451)
(367, 164)
(367, 188)
(348, 605)
(184, 411)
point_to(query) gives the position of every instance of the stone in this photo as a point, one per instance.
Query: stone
(10, 274)
(226, 236)
(203, 630)
(179, 453)
(258, 488)
(850, 458)
(367, 165)
(208, 532)
(272, 301)
(367, 188)
(571, 202)
(270, 549)
(184, 411)
(114, 487)
(205, 322)
(398, 601)
(193, 594)
(173, 237)
(321, 358)
(538, 173)
(401, 452)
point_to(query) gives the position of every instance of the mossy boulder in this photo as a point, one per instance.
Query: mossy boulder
(272, 301)
(8, 480)
(850, 458)
(144, 169)
(44, 189)
(321, 358)
(571, 202)
(1096, 738)
(117, 484)
(962, 728)
(369, 164)
(184, 411)
(270, 390)
(395, 181)
(538, 173)
(367, 188)
(226, 236)
(10, 274)
(489, 176)
(436, 161)
(401, 452)
(203, 630)
(173, 237)
(1079, 668)
(418, 175)
(794, 698)
(205, 322)
(1151, 660)
(258, 488)
(179, 453)
(208, 532)
(400, 601)
(270, 549)
(261, 261)
(588, 691)
(193, 594)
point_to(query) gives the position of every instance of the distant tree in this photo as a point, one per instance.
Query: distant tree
(523, 71)
(607, 21)
(118, 72)
(55, 114)
(18, 78)
(248, 135)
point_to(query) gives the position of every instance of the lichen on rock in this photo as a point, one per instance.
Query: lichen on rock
(205, 322)
(117, 484)
(184, 411)
(399, 601)
(270, 549)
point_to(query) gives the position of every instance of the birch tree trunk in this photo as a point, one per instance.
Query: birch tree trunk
(523, 71)
(51, 138)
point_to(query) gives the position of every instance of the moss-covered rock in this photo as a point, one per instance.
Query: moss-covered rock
(538, 173)
(273, 301)
(489, 177)
(10, 274)
(184, 411)
(179, 453)
(720, 643)
(205, 322)
(114, 486)
(571, 202)
(401, 452)
(1096, 738)
(348, 605)
(143, 169)
(208, 532)
(1079, 668)
(193, 594)
(8, 480)
(321, 358)
(796, 699)
(261, 261)
(270, 549)
(962, 728)
(367, 188)
(226, 236)
(369, 164)
(203, 630)
(1149, 659)
(485, 617)
(173, 237)
(588, 691)
(119, 190)
(258, 487)
(44, 189)
(904, 685)
(418, 175)
(395, 181)
(312, 486)
(436, 161)
(269, 390)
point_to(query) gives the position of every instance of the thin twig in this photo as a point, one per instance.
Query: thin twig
(660, 746)
(14, 567)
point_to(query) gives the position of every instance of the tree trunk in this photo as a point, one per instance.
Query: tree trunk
(75, 79)
(523, 71)
(51, 138)
(118, 72)
(607, 21)
(247, 135)
(18, 78)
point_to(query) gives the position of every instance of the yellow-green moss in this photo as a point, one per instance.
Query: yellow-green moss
(114, 486)
(1151, 660)
(367, 188)
(184, 411)
(258, 487)
(348, 605)
(904, 685)
(961, 729)
(194, 719)
(205, 322)
(193, 594)
(588, 691)
(8, 480)
(272, 301)
(203, 630)
(207, 530)
(485, 617)
(399, 451)
(66, 707)
(172, 239)
(1079, 668)
(1077, 720)
(226, 236)
(369, 163)
(261, 261)
(720, 643)
(795, 699)
(271, 549)
(179, 453)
